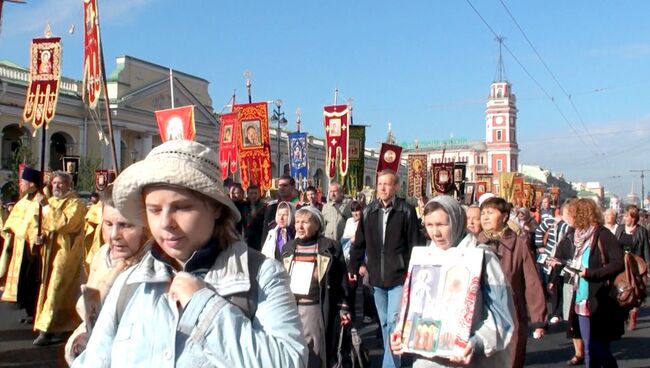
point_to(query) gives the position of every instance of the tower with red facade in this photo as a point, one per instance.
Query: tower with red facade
(501, 129)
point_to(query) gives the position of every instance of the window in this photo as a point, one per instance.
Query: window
(499, 135)
(499, 165)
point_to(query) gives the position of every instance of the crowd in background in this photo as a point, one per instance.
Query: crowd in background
(194, 254)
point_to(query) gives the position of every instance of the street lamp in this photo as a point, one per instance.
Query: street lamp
(278, 118)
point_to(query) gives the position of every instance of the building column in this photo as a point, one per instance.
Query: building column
(146, 145)
(107, 162)
(39, 139)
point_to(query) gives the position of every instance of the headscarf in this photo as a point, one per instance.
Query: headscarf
(456, 215)
(317, 215)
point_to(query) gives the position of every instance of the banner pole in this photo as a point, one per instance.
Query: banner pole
(109, 118)
(171, 85)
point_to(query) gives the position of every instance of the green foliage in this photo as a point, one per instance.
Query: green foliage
(23, 154)
(87, 167)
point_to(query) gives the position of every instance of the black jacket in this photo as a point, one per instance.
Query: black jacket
(641, 246)
(387, 261)
(607, 318)
(333, 296)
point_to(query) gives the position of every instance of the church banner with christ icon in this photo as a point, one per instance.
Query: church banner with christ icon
(438, 300)
(254, 148)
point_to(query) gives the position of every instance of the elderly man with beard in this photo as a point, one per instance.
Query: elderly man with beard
(62, 260)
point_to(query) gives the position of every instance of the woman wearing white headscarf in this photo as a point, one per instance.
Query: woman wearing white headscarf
(493, 320)
(282, 233)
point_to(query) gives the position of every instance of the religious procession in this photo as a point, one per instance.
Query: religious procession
(205, 253)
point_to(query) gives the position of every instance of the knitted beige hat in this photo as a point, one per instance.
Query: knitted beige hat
(180, 163)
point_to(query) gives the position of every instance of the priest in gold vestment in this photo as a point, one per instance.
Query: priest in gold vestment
(62, 261)
(19, 263)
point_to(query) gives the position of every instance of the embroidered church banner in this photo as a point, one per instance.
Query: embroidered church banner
(442, 178)
(92, 77)
(356, 159)
(529, 195)
(253, 143)
(481, 188)
(506, 185)
(228, 138)
(44, 77)
(417, 176)
(389, 157)
(298, 163)
(336, 138)
(518, 191)
(177, 123)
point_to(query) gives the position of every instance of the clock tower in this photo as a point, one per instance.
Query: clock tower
(501, 129)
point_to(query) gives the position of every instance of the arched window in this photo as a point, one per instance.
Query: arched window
(59, 146)
(13, 137)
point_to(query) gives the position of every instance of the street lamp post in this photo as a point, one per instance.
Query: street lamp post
(279, 119)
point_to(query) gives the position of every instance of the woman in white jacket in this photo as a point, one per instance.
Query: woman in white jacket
(492, 323)
(282, 233)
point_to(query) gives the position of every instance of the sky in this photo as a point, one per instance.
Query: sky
(425, 66)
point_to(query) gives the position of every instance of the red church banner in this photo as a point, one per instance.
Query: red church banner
(389, 157)
(253, 143)
(228, 138)
(176, 123)
(336, 136)
(417, 175)
(92, 77)
(44, 76)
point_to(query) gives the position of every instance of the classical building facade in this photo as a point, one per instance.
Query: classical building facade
(136, 88)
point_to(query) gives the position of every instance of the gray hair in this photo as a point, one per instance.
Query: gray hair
(315, 215)
(67, 177)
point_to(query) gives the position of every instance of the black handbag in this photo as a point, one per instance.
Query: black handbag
(350, 351)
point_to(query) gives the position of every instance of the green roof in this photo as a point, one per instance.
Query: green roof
(13, 65)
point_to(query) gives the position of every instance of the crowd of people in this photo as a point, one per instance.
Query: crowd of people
(172, 265)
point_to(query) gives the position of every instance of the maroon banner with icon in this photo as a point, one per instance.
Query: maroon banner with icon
(44, 76)
(336, 138)
(389, 157)
(442, 178)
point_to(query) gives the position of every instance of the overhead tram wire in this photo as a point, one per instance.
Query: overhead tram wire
(539, 56)
(557, 107)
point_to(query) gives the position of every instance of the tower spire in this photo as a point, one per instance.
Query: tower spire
(501, 69)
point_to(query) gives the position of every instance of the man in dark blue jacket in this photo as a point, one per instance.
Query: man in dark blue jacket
(388, 231)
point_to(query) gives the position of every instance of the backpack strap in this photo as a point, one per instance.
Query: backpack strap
(126, 293)
(247, 301)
